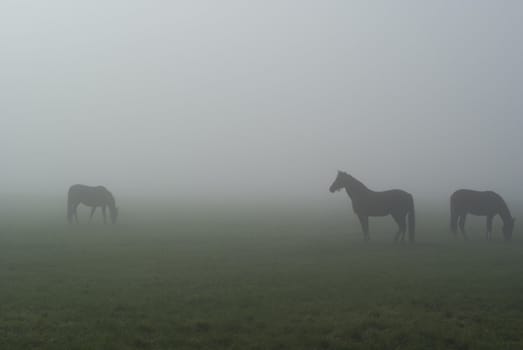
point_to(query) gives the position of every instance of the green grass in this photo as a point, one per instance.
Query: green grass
(240, 278)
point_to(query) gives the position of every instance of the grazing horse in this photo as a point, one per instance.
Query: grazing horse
(488, 203)
(366, 202)
(92, 197)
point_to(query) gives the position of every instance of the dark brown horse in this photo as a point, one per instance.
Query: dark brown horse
(487, 203)
(365, 203)
(92, 197)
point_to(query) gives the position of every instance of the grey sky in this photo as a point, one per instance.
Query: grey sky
(261, 97)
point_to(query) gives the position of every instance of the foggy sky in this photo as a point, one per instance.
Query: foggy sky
(260, 97)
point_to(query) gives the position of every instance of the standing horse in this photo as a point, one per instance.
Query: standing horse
(92, 197)
(488, 203)
(366, 202)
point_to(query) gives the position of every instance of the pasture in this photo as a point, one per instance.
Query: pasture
(252, 276)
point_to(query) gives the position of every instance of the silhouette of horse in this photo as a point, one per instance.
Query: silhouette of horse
(92, 197)
(488, 203)
(365, 203)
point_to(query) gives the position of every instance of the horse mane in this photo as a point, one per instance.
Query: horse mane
(505, 211)
(355, 183)
(108, 195)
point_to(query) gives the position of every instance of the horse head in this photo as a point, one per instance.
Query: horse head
(339, 182)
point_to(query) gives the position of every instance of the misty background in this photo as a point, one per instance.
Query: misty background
(266, 98)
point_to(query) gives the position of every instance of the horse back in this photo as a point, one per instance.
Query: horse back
(476, 202)
(89, 195)
(385, 203)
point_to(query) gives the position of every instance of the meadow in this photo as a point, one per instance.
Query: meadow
(252, 276)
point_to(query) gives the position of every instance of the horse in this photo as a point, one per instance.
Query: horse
(486, 203)
(365, 203)
(97, 196)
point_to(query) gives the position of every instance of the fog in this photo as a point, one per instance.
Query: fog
(260, 99)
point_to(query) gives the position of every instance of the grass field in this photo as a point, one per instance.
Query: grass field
(252, 277)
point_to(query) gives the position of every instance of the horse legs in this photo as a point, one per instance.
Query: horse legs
(489, 227)
(402, 227)
(92, 213)
(364, 220)
(462, 219)
(104, 212)
(454, 216)
(75, 212)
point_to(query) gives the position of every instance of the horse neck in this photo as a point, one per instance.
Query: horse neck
(110, 200)
(355, 189)
(504, 213)
(111, 203)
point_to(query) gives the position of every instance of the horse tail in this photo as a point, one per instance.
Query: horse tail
(453, 216)
(412, 220)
